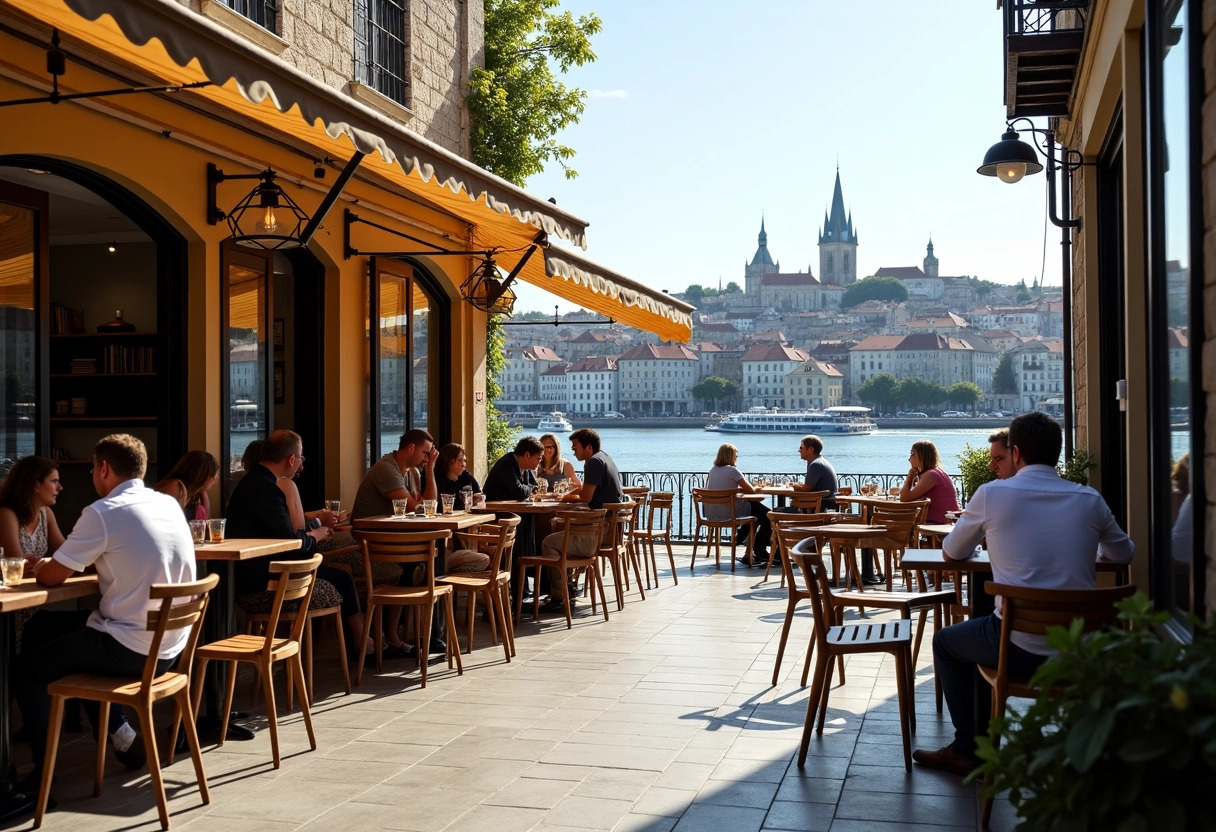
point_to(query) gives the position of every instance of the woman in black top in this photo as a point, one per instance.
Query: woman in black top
(451, 473)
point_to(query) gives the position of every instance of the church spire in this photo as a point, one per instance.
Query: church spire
(762, 257)
(838, 223)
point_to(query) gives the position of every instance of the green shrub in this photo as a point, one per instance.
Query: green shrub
(1076, 468)
(973, 466)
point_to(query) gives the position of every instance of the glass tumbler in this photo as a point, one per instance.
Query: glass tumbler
(429, 507)
(12, 568)
(216, 528)
(449, 502)
(399, 507)
(198, 531)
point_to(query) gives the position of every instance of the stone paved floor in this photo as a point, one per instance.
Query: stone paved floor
(663, 718)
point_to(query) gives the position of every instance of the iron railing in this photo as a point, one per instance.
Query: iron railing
(1037, 17)
(681, 483)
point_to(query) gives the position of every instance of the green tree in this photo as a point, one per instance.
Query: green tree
(533, 315)
(516, 102)
(1004, 381)
(694, 294)
(879, 391)
(500, 433)
(915, 392)
(1023, 294)
(732, 288)
(965, 394)
(873, 288)
(715, 389)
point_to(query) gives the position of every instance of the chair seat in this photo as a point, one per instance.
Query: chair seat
(407, 594)
(547, 560)
(120, 689)
(235, 647)
(1017, 687)
(468, 580)
(865, 636)
(894, 600)
(324, 596)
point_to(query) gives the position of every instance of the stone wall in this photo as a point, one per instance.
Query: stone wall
(1208, 162)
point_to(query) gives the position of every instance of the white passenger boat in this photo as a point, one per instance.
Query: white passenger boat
(555, 422)
(832, 420)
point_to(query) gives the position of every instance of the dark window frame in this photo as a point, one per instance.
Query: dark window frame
(382, 47)
(264, 13)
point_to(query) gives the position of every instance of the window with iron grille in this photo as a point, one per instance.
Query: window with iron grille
(380, 46)
(265, 13)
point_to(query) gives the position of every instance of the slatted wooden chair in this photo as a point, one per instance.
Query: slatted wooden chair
(658, 527)
(576, 525)
(719, 501)
(407, 550)
(290, 580)
(840, 640)
(615, 550)
(789, 529)
(140, 694)
(639, 494)
(498, 541)
(807, 502)
(1033, 611)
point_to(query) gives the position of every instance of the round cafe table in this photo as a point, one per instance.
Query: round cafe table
(844, 539)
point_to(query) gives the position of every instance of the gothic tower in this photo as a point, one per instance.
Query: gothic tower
(930, 261)
(837, 243)
(762, 264)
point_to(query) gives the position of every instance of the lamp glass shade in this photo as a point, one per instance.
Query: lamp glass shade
(488, 290)
(267, 218)
(1010, 159)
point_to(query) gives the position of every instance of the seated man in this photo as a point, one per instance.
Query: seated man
(513, 477)
(820, 475)
(1043, 532)
(259, 509)
(395, 477)
(135, 537)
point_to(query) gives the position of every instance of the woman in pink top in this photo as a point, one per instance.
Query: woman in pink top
(927, 479)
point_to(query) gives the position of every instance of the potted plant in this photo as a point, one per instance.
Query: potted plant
(1122, 737)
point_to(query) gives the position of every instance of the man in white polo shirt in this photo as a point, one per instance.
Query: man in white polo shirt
(1042, 531)
(135, 537)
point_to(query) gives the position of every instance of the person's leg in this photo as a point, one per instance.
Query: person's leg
(764, 530)
(345, 584)
(579, 547)
(957, 651)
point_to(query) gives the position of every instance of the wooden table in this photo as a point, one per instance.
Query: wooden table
(935, 532)
(866, 503)
(26, 596)
(844, 538)
(533, 507)
(416, 523)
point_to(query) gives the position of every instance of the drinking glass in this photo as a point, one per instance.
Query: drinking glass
(399, 507)
(536, 494)
(449, 502)
(216, 528)
(543, 486)
(198, 531)
(466, 497)
(479, 500)
(428, 506)
(12, 569)
(334, 505)
(560, 487)
(893, 492)
(871, 487)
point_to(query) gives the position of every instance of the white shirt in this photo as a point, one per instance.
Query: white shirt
(724, 478)
(1042, 531)
(136, 537)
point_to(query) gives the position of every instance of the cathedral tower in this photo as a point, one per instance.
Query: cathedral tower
(930, 261)
(837, 243)
(762, 264)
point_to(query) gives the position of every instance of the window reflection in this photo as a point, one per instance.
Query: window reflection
(17, 239)
(247, 359)
(394, 321)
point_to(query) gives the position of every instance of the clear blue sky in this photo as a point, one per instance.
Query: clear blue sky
(703, 115)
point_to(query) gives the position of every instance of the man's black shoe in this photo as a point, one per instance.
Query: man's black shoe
(872, 580)
(135, 757)
(439, 646)
(556, 605)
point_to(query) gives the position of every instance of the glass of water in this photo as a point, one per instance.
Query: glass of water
(198, 531)
(13, 569)
(466, 497)
(449, 502)
(399, 507)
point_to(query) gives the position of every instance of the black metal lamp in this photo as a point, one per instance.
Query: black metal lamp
(1010, 159)
(488, 290)
(267, 218)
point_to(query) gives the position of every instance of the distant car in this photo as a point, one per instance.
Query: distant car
(612, 414)
(912, 414)
(953, 414)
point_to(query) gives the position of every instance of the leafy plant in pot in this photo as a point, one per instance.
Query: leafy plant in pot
(1122, 736)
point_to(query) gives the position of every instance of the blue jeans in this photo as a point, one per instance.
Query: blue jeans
(957, 651)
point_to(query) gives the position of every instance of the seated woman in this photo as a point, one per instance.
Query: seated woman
(724, 476)
(191, 478)
(553, 469)
(927, 479)
(452, 475)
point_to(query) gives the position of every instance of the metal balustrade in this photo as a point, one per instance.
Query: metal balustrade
(681, 483)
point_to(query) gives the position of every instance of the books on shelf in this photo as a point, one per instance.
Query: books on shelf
(66, 320)
(120, 359)
(84, 365)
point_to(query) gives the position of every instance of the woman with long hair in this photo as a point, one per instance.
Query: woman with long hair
(191, 478)
(553, 469)
(724, 476)
(926, 478)
(27, 524)
(452, 473)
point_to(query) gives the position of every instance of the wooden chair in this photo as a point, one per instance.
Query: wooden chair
(615, 550)
(703, 498)
(838, 641)
(498, 541)
(290, 580)
(577, 525)
(140, 694)
(406, 549)
(1033, 611)
(807, 502)
(788, 530)
(638, 494)
(658, 527)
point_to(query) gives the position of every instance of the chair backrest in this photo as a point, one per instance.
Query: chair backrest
(789, 529)
(590, 523)
(290, 580)
(703, 497)
(816, 576)
(1032, 611)
(808, 501)
(900, 525)
(660, 509)
(494, 539)
(636, 492)
(170, 616)
(620, 515)
(400, 548)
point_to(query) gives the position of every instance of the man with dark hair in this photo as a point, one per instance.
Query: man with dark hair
(513, 477)
(820, 475)
(135, 537)
(395, 477)
(1042, 532)
(258, 508)
(1000, 460)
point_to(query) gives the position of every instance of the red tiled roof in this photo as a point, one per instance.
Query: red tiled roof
(795, 279)
(556, 370)
(774, 352)
(901, 272)
(593, 364)
(880, 342)
(651, 352)
(539, 353)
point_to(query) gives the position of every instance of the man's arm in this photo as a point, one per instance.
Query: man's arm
(1113, 543)
(968, 531)
(49, 572)
(83, 546)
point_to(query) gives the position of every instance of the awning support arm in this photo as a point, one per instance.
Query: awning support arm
(556, 322)
(331, 197)
(349, 251)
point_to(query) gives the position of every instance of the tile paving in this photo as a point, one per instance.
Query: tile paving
(662, 718)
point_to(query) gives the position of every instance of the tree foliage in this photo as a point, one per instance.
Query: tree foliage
(500, 433)
(879, 391)
(914, 392)
(516, 101)
(732, 288)
(715, 389)
(1004, 382)
(965, 394)
(874, 288)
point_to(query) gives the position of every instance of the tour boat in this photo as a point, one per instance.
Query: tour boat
(832, 420)
(555, 422)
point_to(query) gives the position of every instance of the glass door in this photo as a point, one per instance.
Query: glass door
(247, 378)
(22, 256)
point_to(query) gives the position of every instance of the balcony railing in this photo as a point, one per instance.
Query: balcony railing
(681, 483)
(1043, 42)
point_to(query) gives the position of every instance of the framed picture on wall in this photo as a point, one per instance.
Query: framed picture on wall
(280, 371)
(276, 333)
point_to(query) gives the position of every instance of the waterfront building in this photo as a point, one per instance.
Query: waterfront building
(1038, 367)
(765, 367)
(520, 379)
(813, 385)
(928, 357)
(592, 385)
(657, 380)
(554, 387)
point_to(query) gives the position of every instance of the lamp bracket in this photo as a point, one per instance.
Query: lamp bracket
(350, 218)
(1069, 161)
(56, 65)
(214, 177)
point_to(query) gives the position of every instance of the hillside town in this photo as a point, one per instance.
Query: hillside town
(792, 340)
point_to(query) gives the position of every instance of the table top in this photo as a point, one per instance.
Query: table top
(530, 507)
(31, 594)
(414, 523)
(932, 560)
(935, 529)
(245, 548)
(861, 500)
(775, 490)
(850, 530)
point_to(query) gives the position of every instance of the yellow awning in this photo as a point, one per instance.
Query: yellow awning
(168, 42)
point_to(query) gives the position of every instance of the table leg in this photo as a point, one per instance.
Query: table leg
(219, 624)
(13, 802)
